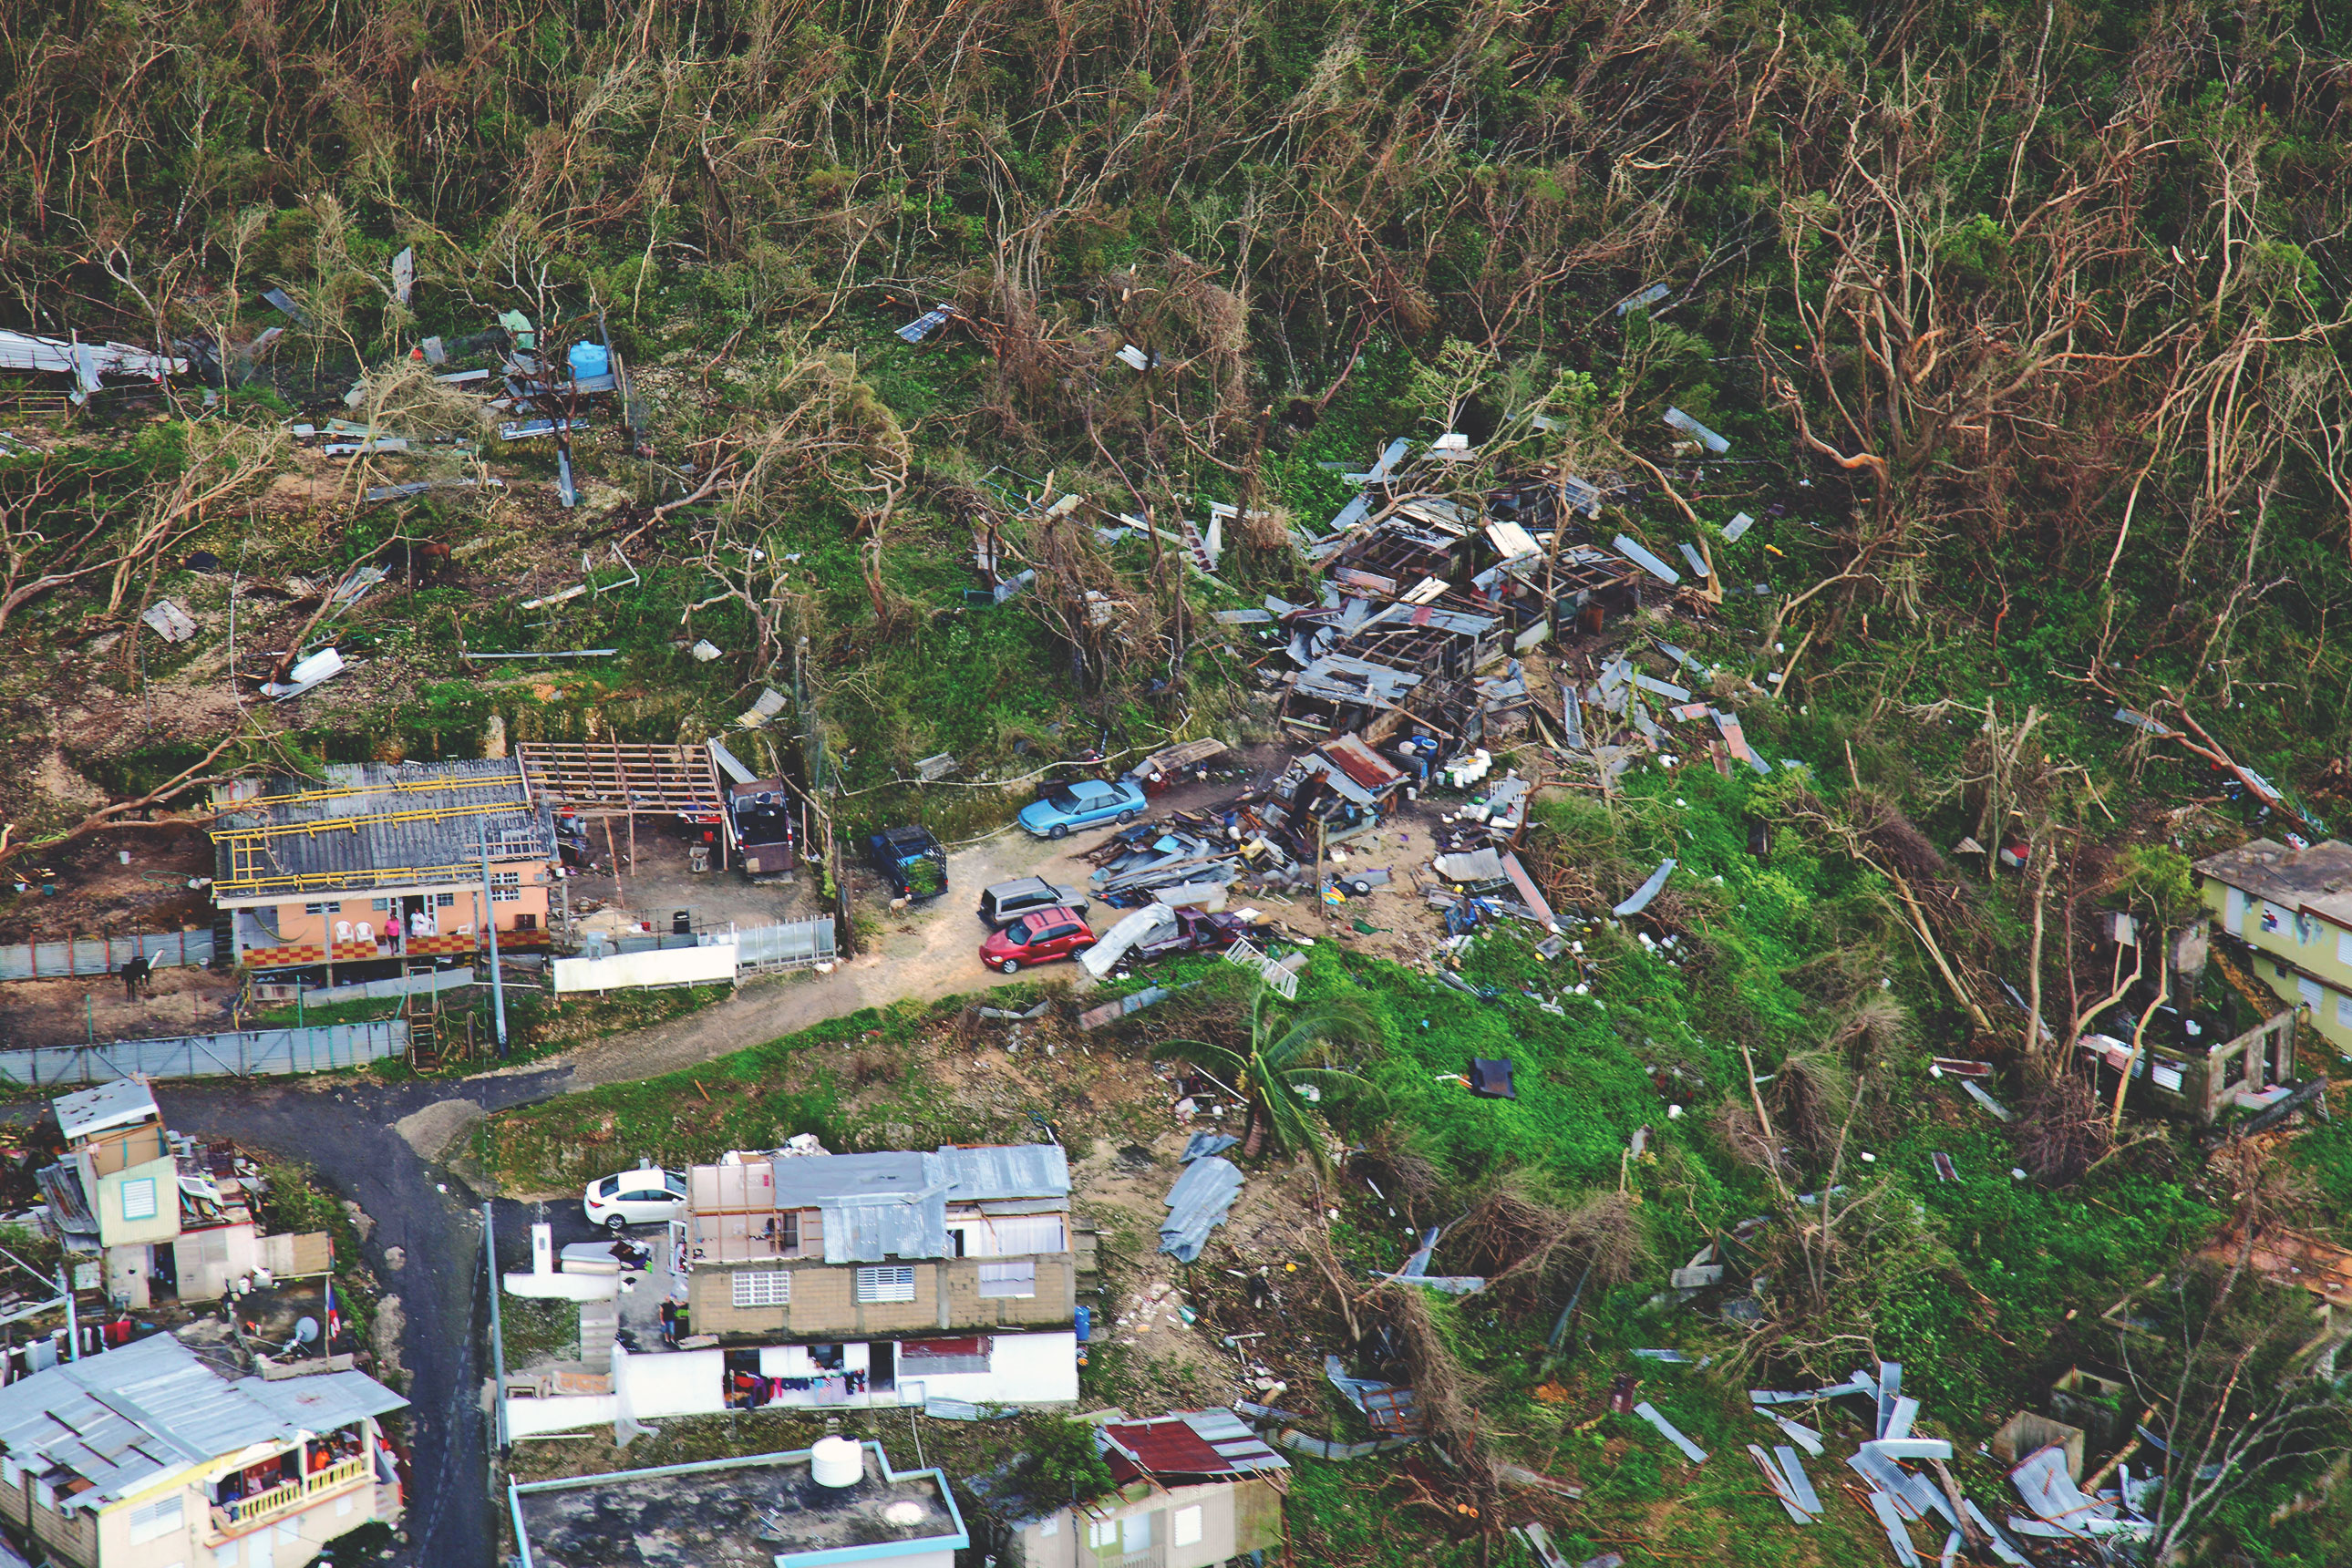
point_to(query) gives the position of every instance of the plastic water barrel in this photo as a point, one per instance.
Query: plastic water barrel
(590, 359)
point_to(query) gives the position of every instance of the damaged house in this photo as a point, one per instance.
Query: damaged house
(168, 1220)
(1195, 1489)
(2290, 912)
(382, 861)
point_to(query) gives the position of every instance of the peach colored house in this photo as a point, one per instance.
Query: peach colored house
(382, 860)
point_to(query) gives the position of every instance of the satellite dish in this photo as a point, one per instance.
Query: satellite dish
(306, 1330)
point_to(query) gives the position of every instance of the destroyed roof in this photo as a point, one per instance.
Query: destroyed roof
(152, 1409)
(2318, 879)
(87, 1112)
(1361, 762)
(1339, 679)
(1206, 1445)
(369, 822)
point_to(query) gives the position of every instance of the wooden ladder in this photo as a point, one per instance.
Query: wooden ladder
(422, 1011)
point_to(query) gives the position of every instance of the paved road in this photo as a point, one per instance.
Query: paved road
(378, 1144)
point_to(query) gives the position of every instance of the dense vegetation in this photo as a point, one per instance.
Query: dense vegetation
(2023, 321)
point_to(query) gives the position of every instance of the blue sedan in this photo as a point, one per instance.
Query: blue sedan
(1081, 804)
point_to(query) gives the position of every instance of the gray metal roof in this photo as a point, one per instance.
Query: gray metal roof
(894, 1204)
(122, 1103)
(323, 1400)
(992, 1172)
(379, 818)
(122, 1419)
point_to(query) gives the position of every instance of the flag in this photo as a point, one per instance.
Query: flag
(334, 1318)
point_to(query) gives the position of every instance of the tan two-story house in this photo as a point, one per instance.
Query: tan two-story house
(146, 1458)
(383, 860)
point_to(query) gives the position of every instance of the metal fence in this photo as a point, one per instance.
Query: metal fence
(320, 1048)
(800, 945)
(104, 954)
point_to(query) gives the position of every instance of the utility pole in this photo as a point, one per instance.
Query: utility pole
(490, 925)
(73, 1322)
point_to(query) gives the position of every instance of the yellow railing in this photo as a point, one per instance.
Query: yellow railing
(263, 1507)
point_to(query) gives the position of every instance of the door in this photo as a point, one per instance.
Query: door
(261, 1548)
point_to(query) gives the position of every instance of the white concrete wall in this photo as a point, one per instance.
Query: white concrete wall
(1024, 1369)
(673, 1383)
(669, 966)
(566, 1413)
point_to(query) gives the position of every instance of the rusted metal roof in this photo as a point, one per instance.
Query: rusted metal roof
(1203, 1443)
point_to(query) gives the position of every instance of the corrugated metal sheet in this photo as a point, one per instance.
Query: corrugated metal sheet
(323, 1400)
(69, 1204)
(983, 1173)
(122, 1419)
(105, 955)
(323, 1047)
(1197, 1204)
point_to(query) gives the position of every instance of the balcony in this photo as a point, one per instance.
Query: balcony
(246, 1514)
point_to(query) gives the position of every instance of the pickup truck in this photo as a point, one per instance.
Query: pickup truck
(763, 827)
(911, 860)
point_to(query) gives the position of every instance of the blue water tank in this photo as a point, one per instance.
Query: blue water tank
(590, 359)
(1086, 1322)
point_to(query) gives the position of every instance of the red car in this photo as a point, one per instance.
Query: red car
(1037, 938)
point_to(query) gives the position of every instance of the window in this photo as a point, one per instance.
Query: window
(1102, 1533)
(890, 1284)
(1135, 1533)
(2309, 991)
(329, 908)
(2344, 1010)
(381, 906)
(10, 1475)
(139, 1198)
(2233, 911)
(150, 1520)
(506, 887)
(1187, 1527)
(771, 1287)
(445, 900)
(224, 1556)
(2343, 947)
(1009, 1279)
(1049, 1526)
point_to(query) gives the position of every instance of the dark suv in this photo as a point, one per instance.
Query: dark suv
(1003, 904)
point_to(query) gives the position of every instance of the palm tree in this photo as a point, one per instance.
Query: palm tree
(1281, 1073)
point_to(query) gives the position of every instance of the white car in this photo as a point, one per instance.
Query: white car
(644, 1196)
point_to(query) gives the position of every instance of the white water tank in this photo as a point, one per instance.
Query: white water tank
(837, 1462)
